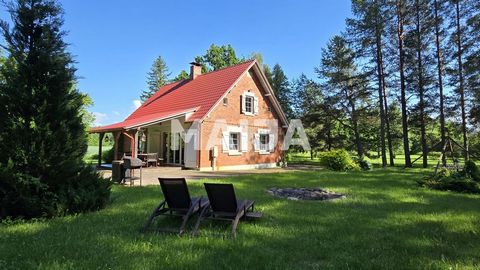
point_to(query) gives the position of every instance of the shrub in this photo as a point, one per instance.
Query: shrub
(23, 195)
(108, 155)
(338, 160)
(454, 181)
(472, 170)
(365, 164)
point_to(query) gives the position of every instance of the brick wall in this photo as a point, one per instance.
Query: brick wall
(232, 114)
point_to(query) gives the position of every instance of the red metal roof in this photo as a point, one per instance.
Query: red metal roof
(199, 95)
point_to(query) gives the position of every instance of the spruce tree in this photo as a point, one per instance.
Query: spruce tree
(42, 135)
(282, 90)
(156, 78)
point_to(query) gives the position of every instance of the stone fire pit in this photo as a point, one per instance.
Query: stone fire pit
(305, 194)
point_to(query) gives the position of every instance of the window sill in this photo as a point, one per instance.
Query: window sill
(234, 153)
(264, 153)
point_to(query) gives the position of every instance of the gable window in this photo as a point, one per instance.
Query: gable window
(234, 141)
(249, 104)
(264, 142)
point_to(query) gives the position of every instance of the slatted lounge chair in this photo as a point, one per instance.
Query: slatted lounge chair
(223, 205)
(177, 202)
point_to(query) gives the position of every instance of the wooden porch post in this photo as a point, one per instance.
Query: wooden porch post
(135, 143)
(100, 141)
(116, 136)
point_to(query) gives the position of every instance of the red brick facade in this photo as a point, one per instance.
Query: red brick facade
(233, 116)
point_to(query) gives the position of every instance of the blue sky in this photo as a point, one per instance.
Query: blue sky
(115, 42)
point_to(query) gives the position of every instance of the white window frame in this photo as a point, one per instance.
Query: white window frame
(242, 138)
(253, 104)
(264, 147)
(231, 142)
(258, 145)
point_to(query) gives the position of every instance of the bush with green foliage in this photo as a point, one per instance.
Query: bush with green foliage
(42, 171)
(465, 181)
(107, 156)
(337, 160)
(23, 195)
(472, 170)
(365, 164)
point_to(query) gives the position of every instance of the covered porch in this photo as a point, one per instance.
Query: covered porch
(158, 141)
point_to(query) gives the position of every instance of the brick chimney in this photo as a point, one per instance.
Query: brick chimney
(195, 70)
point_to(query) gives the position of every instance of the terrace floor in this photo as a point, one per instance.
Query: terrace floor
(150, 175)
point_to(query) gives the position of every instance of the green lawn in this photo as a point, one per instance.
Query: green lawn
(386, 222)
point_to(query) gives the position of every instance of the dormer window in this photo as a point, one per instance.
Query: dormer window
(249, 103)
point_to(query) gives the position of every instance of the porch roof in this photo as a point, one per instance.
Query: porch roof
(142, 121)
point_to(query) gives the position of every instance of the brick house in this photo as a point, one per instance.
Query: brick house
(226, 119)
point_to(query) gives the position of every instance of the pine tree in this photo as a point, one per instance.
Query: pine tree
(282, 90)
(366, 30)
(458, 79)
(345, 88)
(472, 60)
(42, 172)
(400, 8)
(156, 78)
(419, 67)
(439, 9)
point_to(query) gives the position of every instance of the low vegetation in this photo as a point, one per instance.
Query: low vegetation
(385, 222)
(338, 160)
(466, 180)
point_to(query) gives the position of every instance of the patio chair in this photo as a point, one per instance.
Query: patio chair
(131, 164)
(152, 158)
(223, 205)
(177, 202)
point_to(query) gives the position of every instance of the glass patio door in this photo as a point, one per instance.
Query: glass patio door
(175, 150)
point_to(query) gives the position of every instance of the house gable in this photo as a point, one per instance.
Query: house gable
(231, 109)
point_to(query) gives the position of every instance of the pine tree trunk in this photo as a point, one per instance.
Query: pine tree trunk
(358, 140)
(440, 77)
(406, 147)
(380, 95)
(460, 77)
(387, 120)
(421, 86)
(354, 123)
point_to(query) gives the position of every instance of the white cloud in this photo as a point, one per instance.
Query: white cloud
(100, 118)
(137, 103)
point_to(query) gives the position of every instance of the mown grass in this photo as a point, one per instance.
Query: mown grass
(386, 222)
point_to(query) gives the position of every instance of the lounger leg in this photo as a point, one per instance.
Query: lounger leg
(199, 220)
(235, 223)
(153, 215)
(185, 219)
